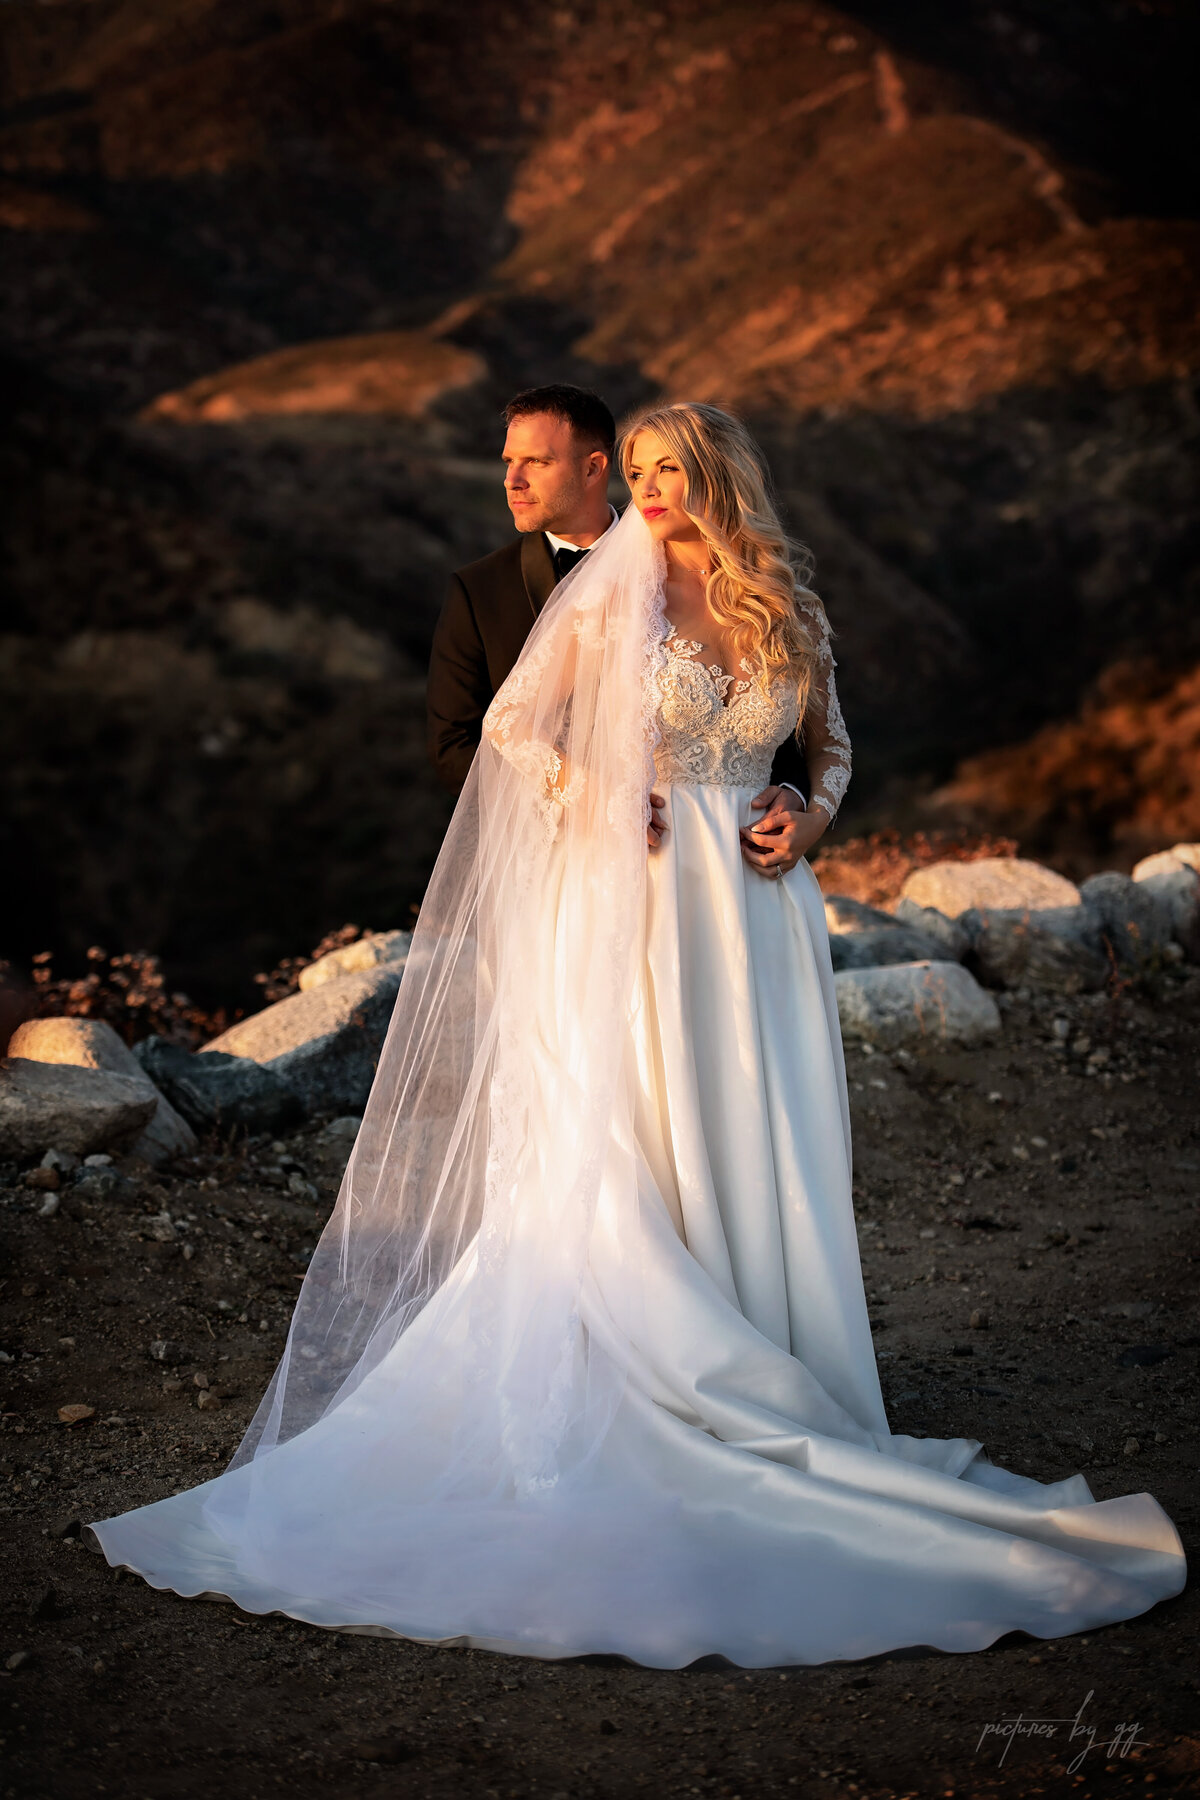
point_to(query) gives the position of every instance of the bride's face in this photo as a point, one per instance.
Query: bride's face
(657, 484)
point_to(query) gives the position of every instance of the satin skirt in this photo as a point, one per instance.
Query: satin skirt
(748, 1499)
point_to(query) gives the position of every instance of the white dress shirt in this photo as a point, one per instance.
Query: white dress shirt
(557, 543)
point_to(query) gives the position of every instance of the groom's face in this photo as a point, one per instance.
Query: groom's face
(550, 478)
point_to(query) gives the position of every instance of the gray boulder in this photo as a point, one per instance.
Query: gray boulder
(915, 1003)
(844, 915)
(47, 1106)
(1126, 915)
(368, 953)
(1057, 949)
(863, 937)
(91, 1044)
(219, 1092)
(324, 1042)
(890, 944)
(1173, 877)
(953, 942)
(993, 883)
(1176, 893)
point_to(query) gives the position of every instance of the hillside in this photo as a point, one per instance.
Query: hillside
(273, 272)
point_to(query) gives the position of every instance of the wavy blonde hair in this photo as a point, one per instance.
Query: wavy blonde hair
(758, 572)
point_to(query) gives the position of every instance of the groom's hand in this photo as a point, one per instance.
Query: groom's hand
(657, 825)
(785, 832)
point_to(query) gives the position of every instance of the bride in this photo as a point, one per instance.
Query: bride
(582, 1362)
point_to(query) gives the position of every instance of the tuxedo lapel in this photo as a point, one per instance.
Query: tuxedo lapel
(537, 569)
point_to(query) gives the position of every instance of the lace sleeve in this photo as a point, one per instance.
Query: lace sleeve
(826, 740)
(530, 728)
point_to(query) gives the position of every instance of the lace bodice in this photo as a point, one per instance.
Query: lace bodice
(723, 731)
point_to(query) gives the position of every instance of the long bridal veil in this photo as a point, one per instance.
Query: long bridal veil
(498, 1129)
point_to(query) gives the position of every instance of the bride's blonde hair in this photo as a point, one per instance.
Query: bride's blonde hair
(757, 571)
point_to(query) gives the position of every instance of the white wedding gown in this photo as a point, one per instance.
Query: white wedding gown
(749, 1499)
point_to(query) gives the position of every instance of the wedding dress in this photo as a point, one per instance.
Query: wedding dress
(644, 1418)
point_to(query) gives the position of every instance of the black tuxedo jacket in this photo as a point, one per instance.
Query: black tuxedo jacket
(481, 630)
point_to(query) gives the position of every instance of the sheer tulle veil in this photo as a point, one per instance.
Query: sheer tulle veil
(498, 1139)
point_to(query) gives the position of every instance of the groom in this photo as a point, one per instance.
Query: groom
(557, 455)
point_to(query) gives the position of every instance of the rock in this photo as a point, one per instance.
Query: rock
(946, 932)
(161, 1228)
(842, 914)
(49, 1206)
(58, 1159)
(17, 1660)
(95, 1183)
(1055, 949)
(76, 1413)
(994, 883)
(324, 1043)
(978, 1321)
(91, 1044)
(45, 1179)
(909, 1003)
(340, 1133)
(1165, 862)
(69, 1525)
(870, 949)
(166, 1350)
(219, 1092)
(77, 1110)
(863, 937)
(379, 947)
(1176, 893)
(208, 1401)
(1126, 915)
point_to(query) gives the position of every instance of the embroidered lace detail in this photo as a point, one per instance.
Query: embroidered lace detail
(721, 730)
(711, 735)
(826, 740)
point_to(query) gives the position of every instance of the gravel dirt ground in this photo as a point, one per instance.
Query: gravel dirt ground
(1027, 1220)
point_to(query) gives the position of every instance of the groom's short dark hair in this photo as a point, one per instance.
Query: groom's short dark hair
(583, 410)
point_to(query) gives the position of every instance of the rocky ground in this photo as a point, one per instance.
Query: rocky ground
(1027, 1220)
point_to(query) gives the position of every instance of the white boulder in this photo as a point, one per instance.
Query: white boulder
(368, 953)
(913, 1003)
(1166, 862)
(324, 1042)
(992, 884)
(91, 1044)
(44, 1106)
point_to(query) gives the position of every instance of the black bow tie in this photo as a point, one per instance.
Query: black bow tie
(565, 560)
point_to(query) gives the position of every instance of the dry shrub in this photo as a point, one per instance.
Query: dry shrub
(873, 869)
(127, 992)
(284, 978)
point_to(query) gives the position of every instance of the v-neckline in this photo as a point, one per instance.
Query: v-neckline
(734, 684)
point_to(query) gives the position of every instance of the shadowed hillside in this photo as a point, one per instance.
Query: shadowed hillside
(272, 272)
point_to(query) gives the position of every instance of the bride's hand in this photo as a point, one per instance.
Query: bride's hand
(785, 833)
(657, 825)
